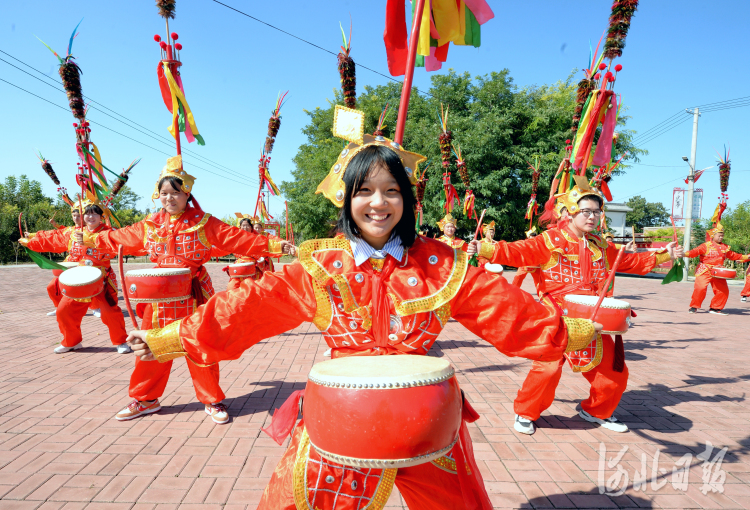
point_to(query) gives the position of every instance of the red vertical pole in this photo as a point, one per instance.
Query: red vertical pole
(410, 60)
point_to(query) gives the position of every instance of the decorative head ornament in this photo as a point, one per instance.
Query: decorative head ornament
(570, 199)
(488, 226)
(349, 125)
(173, 168)
(531, 232)
(252, 219)
(448, 218)
(718, 227)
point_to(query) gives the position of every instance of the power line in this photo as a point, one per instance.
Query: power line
(663, 131)
(721, 102)
(316, 46)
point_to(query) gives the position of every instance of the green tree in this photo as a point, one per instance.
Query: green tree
(645, 213)
(498, 126)
(736, 222)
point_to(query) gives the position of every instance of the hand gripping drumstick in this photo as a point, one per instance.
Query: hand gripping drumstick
(124, 290)
(611, 277)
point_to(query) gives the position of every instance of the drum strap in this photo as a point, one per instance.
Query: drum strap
(618, 364)
(197, 290)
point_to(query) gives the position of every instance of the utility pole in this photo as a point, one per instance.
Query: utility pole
(691, 184)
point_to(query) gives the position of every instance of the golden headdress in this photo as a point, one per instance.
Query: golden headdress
(570, 199)
(349, 125)
(488, 226)
(173, 168)
(253, 219)
(531, 232)
(718, 227)
(90, 199)
(448, 218)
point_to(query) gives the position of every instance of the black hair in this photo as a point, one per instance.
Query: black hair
(596, 198)
(93, 208)
(356, 173)
(246, 220)
(176, 184)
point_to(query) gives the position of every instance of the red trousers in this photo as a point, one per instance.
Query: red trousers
(70, 313)
(746, 290)
(719, 286)
(149, 378)
(53, 291)
(607, 386)
(520, 277)
(423, 487)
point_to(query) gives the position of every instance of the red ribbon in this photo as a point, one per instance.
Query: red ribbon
(381, 312)
(284, 418)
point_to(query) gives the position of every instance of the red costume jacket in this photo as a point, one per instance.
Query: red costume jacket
(453, 242)
(568, 265)
(713, 255)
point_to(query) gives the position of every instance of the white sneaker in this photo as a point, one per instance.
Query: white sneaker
(124, 349)
(744, 300)
(97, 312)
(52, 313)
(327, 354)
(717, 311)
(610, 423)
(524, 425)
(218, 413)
(61, 348)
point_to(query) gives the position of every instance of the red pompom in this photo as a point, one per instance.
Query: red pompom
(174, 35)
(609, 76)
(567, 141)
(163, 45)
(618, 68)
(602, 66)
(178, 46)
(596, 76)
(157, 38)
(75, 124)
(611, 79)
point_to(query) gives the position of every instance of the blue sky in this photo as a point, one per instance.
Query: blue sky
(678, 55)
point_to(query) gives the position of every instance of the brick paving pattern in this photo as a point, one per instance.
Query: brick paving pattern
(60, 447)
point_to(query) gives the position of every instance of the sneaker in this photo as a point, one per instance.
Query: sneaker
(124, 349)
(743, 299)
(610, 423)
(524, 425)
(61, 348)
(136, 409)
(54, 312)
(692, 310)
(717, 312)
(218, 413)
(327, 354)
(97, 312)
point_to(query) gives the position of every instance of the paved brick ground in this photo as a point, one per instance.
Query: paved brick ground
(60, 447)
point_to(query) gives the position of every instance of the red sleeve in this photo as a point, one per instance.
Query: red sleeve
(233, 321)
(509, 318)
(131, 238)
(527, 252)
(633, 263)
(227, 239)
(55, 241)
(733, 255)
(697, 251)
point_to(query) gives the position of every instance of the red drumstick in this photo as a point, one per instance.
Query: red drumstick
(674, 230)
(124, 290)
(611, 276)
(20, 227)
(479, 227)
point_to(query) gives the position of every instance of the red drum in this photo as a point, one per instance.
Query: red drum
(382, 411)
(724, 273)
(241, 270)
(158, 285)
(614, 314)
(81, 282)
(68, 265)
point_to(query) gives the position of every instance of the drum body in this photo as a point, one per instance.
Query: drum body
(241, 270)
(81, 282)
(158, 285)
(724, 273)
(614, 314)
(68, 265)
(382, 411)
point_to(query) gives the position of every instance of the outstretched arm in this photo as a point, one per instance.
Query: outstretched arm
(227, 239)
(55, 241)
(131, 238)
(527, 252)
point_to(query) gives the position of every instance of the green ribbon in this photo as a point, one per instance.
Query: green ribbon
(675, 274)
(43, 261)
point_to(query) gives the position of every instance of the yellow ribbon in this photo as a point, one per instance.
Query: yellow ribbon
(176, 93)
(423, 45)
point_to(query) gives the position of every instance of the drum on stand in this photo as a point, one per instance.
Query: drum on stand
(241, 270)
(158, 285)
(724, 273)
(68, 265)
(81, 282)
(614, 314)
(382, 411)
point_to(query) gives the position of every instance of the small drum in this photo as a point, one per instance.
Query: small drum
(382, 411)
(241, 270)
(158, 285)
(68, 265)
(81, 282)
(614, 314)
(724, 273)
(493, 268)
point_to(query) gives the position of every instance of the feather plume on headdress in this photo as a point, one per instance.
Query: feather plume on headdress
(347, 71)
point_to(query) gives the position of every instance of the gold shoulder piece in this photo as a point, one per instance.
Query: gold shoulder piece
(580, 333)
(487, 250)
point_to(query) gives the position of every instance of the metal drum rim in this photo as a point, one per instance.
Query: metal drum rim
(385, 463)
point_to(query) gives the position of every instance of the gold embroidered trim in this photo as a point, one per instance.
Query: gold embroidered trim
(320, 274)
(377, 264)
(25, 241)
(661, 258)
(447, 464)
(442, 296)
(594, 362)
(443, 313)
(299, 480)
(324, 307)
(486, 250)
(165, 342)
(274, 246)
(580, 333)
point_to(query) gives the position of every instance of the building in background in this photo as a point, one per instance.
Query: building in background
(616, 219)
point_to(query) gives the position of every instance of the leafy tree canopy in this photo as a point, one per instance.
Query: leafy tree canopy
(646, 214)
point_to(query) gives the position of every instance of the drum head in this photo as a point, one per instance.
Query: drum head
(69, 264)
(591, 301)
(242, 264)
(80, 275)
(381, 371)
(157, 271)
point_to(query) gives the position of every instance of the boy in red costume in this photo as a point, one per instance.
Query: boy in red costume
(712, 254)
(448, 227)
(574, 260)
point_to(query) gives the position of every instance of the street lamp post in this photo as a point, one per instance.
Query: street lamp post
(691, 183)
